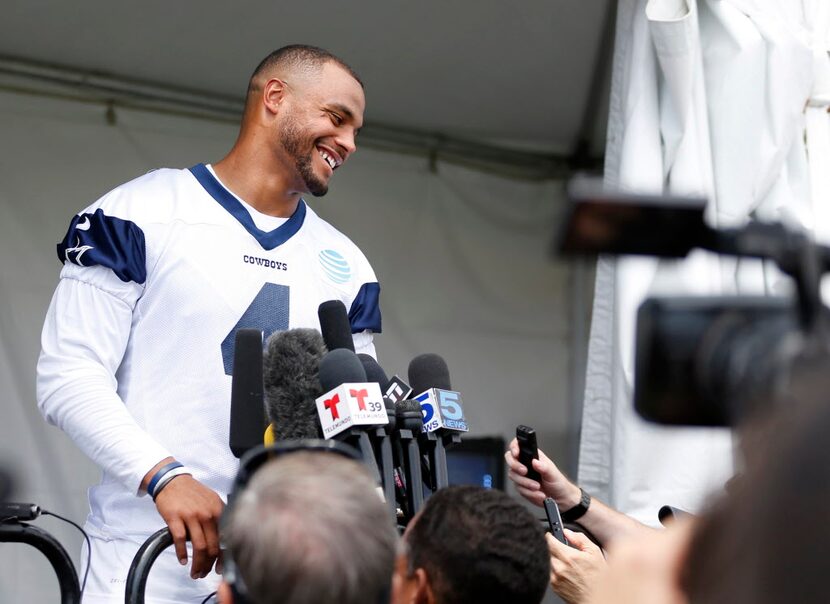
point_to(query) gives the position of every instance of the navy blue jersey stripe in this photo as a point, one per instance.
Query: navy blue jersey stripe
(365, 311)
(267, 239)
(99, 240)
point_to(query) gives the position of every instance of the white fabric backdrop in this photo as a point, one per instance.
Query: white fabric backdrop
(707, 98)
(462, 258)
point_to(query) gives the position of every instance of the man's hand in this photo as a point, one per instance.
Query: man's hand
(574, 569)
(554, 483)
(190, 509)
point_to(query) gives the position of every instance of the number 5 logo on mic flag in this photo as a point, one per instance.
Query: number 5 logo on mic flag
(449, 402)
(442, 409)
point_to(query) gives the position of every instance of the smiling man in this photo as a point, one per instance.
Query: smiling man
(158, 275)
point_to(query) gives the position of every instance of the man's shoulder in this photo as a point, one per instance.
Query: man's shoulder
(152, 197)
(327, 234)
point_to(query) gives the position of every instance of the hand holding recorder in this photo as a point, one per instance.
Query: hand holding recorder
(604, 523)
(551, 482)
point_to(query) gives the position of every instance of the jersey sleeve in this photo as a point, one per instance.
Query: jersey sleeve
(364, 307)
(98, 239)
(83, 341)
(84, 338)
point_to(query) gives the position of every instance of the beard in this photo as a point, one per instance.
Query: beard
(296, 144)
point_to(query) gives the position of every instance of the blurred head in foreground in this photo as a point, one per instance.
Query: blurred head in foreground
(310, 528)
(767, 540)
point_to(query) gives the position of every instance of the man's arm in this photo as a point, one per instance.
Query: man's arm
(84, 338)
(604, 522)
(648, 570)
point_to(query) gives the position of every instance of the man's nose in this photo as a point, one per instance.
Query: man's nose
(346, 140)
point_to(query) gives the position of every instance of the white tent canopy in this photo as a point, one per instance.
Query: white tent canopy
(514, 76)
(721, 98)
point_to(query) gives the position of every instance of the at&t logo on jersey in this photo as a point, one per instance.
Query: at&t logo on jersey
(442, 409)
(335, 266)
(351, 405)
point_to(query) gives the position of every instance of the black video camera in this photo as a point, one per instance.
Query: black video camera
(706, 361)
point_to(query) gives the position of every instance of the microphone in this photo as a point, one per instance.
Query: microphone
(381, 435)
(335, 326)
(443, 415)
(19, 512)
(247, 422)
(410, 423)
(292, 383)
(429, 371)
(350, 404)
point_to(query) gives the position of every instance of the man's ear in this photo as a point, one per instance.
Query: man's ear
(423, 588)
(273, 94)
(224, 593)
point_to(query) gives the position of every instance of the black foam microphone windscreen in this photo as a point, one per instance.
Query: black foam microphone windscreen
(340, 366)
(292, 383)
(409, 415)
(335, 326)
(429, 371)
(247, 423)
(374, 372)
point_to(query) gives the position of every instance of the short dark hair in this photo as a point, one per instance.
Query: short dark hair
(300, 56)
(479, 545)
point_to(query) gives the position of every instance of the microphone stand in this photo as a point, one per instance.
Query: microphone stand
(20, 532)
(359, 439)
(143, 562)
(387, 467)
(412, 470)
(437, 443)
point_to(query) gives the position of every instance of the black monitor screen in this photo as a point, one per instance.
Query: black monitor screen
(477, 461)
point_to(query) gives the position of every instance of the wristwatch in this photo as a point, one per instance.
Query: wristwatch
(577, 511)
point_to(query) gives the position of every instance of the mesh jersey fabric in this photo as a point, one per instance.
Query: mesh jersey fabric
(137, 345)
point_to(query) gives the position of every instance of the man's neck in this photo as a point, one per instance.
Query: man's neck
(260, 181)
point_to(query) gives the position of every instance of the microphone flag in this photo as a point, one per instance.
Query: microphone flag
(349, 405)
(442, 409)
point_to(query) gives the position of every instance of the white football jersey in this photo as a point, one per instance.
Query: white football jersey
(138, 341)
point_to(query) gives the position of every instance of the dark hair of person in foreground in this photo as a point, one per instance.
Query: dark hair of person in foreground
(767, 541)
(479, 545)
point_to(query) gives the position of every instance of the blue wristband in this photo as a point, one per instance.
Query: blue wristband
(151, 487)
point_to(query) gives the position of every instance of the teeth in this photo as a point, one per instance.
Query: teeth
(330, 160)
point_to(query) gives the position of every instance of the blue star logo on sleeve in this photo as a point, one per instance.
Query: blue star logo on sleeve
(73, 254)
